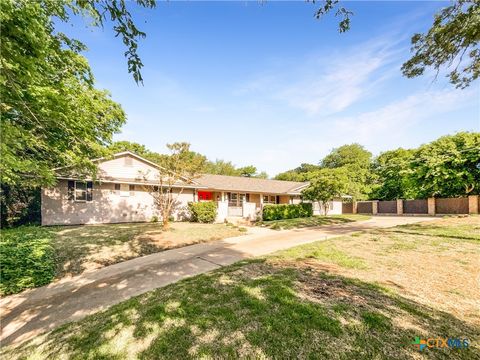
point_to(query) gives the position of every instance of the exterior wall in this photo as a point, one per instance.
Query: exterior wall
(107, 206)
(335, 208)
(127, 167)
(284, 199)
(255, 198)
(296, 199)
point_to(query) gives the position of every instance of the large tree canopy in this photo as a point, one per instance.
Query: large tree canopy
(451, 43)
(52, 115)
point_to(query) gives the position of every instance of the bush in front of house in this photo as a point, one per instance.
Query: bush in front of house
(287, 211)
(27, 258)
(203, 212)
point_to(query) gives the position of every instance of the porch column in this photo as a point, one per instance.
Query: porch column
(195, 195)
(261, 201)
(223, 195)
(375, 207)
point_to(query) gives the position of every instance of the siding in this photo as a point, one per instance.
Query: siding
(107, 206)
(127, 167)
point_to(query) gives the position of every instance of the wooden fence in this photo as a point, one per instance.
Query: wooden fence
(431, 206)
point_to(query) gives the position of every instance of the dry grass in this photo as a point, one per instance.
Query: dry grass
(365, 296)
(89, 247)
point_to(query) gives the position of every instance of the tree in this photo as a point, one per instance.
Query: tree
(452, 40)
(52, 115)
(247, 171)
(325, 186)
(178, 170)
(448, 166)
(356, 161)
(393, 175)
(220, 167)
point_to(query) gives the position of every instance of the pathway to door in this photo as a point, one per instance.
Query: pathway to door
(38, 310)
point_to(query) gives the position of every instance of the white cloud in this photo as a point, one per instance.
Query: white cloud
(325, 85)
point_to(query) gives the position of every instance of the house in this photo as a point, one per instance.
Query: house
(121, 193)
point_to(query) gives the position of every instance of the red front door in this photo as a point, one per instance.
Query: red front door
(204, 196)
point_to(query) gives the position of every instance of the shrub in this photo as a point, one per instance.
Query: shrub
(287, 211)
(154, 219)
(27, 258)
(203, 212)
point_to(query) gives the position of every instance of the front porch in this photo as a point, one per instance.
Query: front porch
(247, 205)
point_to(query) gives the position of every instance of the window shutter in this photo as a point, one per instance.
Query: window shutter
(89, 190)
(71, 190)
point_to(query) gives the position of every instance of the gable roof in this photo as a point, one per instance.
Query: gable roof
(249, 184)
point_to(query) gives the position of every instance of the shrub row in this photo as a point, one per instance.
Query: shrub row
(203, 212)
(27, 258)
(287, 211)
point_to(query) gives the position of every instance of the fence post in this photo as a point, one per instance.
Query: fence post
(375, 207)
(354, 207)
(431, 206)
(473, 204)
(399, 207)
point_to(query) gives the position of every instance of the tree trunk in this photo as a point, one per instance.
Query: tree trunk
(165, 223)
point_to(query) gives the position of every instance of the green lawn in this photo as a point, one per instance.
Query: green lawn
(297, 223)
(33, 256)
(355, 297)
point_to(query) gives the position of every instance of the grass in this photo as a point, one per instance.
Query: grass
(34, 256)
(306, 302)
(312, 221)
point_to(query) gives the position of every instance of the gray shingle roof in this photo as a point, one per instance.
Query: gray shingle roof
(248, 184)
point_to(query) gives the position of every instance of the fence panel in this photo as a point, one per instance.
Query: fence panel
(415, 206)
(364, 207)
(347, 208)
(451, 206)
(387, 207)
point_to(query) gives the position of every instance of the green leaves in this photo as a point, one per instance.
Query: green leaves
(52, 115)
(451, 43)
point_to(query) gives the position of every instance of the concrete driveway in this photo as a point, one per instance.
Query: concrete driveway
(35, 311)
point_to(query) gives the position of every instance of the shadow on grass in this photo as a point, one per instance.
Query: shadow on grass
(75, 244)
(257, 309)
(313, 221)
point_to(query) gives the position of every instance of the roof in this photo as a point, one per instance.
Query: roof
(250, 184)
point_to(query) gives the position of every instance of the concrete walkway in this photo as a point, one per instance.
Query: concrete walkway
(35, 311)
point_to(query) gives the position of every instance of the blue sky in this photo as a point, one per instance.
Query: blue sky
(269, 85)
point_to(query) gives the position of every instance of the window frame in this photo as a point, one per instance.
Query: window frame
(87, 191)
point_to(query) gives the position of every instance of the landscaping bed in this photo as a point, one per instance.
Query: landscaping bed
(363, 296)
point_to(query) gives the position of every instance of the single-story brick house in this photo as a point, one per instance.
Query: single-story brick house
(120, 193)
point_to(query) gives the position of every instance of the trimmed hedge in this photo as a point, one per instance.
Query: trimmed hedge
(287, 211)
(203, 212)
(27, 258)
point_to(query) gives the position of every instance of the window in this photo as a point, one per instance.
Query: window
(80, 190)
(269, 199)
(131, 188)
(117, 187)
(236, 199)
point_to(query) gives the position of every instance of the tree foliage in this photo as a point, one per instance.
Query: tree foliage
(52, 115)
(393, 172)
(326, 185)
(451, 43)
(446, 167)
